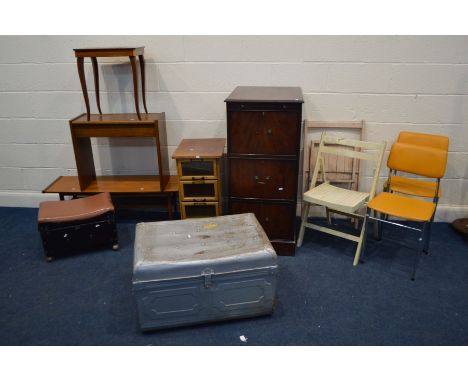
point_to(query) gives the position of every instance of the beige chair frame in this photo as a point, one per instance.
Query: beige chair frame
(311, 145)
(337, 174)
(328, 145)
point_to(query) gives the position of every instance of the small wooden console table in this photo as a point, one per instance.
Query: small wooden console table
(93, 53)
(117, 125)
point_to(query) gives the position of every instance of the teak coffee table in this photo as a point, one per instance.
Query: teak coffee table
(93, 53)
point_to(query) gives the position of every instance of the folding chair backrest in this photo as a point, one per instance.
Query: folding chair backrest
(428, 140)
(347, 148)
(419, 160)
(340, 170)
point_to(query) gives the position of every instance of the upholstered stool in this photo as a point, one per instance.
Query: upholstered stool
(70, 225)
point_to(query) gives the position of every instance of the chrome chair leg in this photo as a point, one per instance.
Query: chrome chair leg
(420, 250)
(428, 237)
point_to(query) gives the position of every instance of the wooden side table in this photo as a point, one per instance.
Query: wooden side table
(93, 53)
(112, 126)
(198, 167)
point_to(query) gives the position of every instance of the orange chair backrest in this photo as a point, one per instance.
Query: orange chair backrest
(415, 159)
(435, 141)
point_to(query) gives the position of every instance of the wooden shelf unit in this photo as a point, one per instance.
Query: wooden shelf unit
(198, 168)
(122, 126)
(151, 187)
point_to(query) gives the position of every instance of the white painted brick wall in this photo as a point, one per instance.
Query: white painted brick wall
(393, 83)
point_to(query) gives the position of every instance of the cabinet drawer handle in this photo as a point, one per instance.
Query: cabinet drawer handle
(267, 219)
(269, 131)
(258, 181)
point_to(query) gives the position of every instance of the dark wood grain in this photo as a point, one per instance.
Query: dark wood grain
(262, 178)
(263, 132)
(96, 83)
(109, 52)
(141, 59)
(135, 85)
(266, 94)
(263, 149)
(81, 74)
(271, 216)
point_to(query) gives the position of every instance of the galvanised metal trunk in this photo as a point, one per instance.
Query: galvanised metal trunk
(200, 270)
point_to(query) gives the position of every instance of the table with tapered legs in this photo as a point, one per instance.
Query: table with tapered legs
(93, 53)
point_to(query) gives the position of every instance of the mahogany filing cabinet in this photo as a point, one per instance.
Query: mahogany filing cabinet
(263, 149)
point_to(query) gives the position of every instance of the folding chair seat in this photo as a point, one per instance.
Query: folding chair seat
(344, 201)
(401, 198)
(336, 198)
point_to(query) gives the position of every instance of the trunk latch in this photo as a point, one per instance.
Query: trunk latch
(207, 273)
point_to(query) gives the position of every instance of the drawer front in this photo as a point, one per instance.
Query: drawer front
(276, 219)
(199, 190)
(199, 209)
(263, 178)
(197, 169)
(263, 132)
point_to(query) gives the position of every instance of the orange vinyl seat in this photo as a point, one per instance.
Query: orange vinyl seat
(403, 207)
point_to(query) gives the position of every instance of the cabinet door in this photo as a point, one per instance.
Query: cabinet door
(197, 169)
(199, 209)
(198, 190)
(263, 132)
(263, 178)
(277, 219)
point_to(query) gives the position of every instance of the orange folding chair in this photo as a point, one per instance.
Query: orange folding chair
(418, 154)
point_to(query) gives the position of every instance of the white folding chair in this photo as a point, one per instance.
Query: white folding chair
(344, 201)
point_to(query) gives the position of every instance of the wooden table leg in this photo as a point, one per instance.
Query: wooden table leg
(135, 85)
(81, 73)
(169, 206)
(143, 81)
(96, 82)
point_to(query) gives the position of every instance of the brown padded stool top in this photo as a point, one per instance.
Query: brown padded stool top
(61, 211)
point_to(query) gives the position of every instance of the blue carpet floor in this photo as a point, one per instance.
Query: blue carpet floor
(322, 299)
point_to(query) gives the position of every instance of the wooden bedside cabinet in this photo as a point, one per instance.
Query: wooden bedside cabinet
(198, 168)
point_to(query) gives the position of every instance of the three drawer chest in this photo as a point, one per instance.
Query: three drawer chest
(263, 149)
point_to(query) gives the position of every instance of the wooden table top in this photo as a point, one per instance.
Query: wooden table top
(109, 52)
(200, 148)
(266, 94)
(110, 119)
(113, 184)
